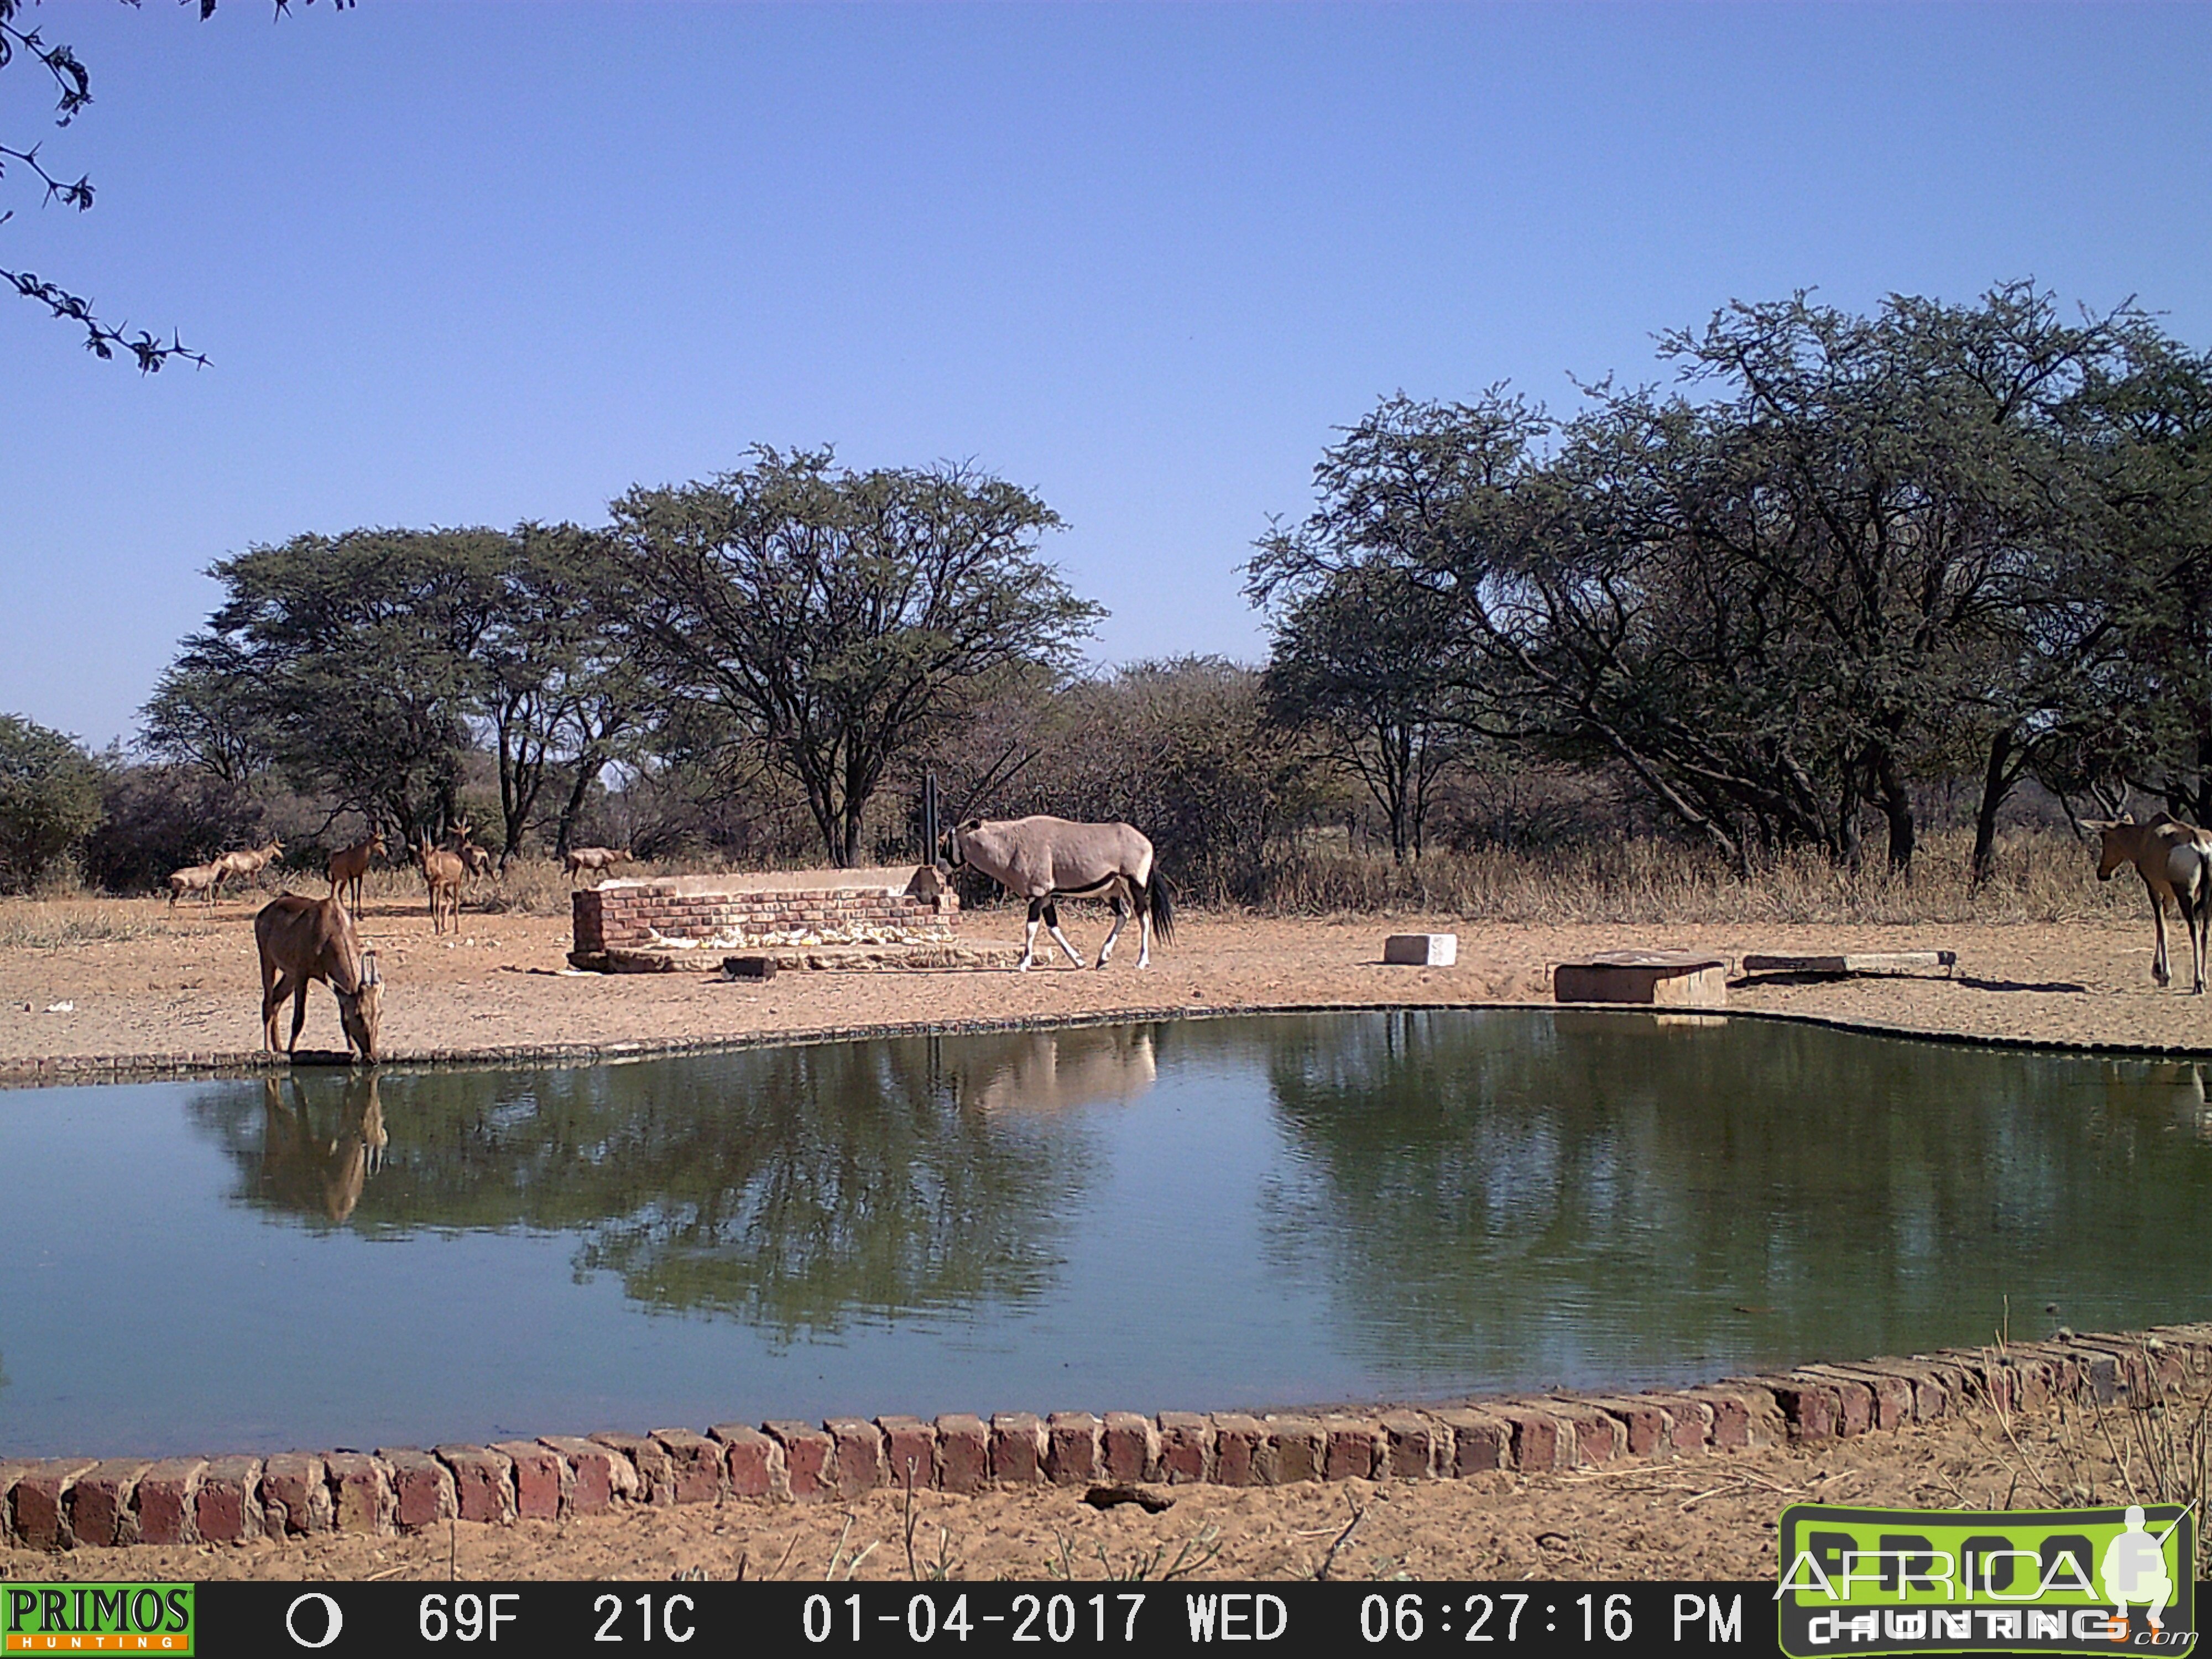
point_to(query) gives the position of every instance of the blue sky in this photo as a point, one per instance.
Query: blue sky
(473, 264)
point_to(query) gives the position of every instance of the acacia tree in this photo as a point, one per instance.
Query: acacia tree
(834, 618)
(365, 653)
(1364, 660)
(558, 693)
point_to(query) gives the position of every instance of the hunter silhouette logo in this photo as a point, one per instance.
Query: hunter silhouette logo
(1864, 1581)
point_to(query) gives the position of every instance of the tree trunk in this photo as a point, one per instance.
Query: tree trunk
(1897, 807)
(1997, 786)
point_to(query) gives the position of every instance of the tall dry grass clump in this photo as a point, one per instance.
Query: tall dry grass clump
(2041, 876)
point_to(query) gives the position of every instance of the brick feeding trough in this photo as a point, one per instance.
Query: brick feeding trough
(54, 1504)
(878, 918)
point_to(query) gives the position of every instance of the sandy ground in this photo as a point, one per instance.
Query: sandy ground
(190, 985)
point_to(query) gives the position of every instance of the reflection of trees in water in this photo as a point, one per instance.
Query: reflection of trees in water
(1499, 1185)
(795, 1187)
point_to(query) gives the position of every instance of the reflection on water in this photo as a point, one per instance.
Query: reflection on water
(1534, 1192)
(304, 1170)
(795, 1188)
(1221, 1213)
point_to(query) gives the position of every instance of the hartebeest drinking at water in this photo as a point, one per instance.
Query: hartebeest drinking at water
(2175, 861)
(1044, 860)
(302, 940)
(349, 865)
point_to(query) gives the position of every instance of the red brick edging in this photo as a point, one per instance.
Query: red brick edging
(54, 1503)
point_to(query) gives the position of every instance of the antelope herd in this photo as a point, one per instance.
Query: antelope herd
(1042, 859)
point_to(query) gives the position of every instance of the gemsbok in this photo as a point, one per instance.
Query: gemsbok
(442, 873)
(303, 939)
(349, 865)
(595, 860)
(199, 879)
(2175, 861)
(249, 862)
(1044, 860)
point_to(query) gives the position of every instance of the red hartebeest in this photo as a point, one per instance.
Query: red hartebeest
(302, 940)
(2175, 861)
(442, 873)
(249, 863)
(349, 865)
(595, 860)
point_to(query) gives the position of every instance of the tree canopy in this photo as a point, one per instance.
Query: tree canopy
(834, 618)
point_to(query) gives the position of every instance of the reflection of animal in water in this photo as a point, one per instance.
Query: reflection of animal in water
(2176, 1087)
(1044, 860)
(1051, 1070)
(304, 1170)
(2175, 861)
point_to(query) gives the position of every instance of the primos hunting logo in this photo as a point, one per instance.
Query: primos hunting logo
(96, 1618)
(2007, 1580)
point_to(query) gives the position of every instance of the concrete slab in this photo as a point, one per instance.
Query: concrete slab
(1858, 961)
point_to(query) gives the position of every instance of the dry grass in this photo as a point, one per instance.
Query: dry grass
(2040, 877)
(41, 924)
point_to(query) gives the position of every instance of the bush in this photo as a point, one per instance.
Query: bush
(49, 800)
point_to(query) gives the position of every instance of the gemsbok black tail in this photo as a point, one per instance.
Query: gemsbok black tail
(1162, 906)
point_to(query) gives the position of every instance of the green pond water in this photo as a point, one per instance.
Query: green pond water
(1247, 1211)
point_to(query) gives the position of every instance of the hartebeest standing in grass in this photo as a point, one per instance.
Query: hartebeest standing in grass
(593, 860)
(2175, 861)
(349, 865)
(1044, 860)
(199, 879)
(442, 873)
(302, 940)
(248, 862)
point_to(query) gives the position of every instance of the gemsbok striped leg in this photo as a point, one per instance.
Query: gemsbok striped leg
(1052, 924)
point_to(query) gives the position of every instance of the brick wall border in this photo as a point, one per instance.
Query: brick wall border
(49, 1071)
(57, 1503)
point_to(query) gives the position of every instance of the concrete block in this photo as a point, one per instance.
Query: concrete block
(164, 1501)
(541, 1479)
(909, 1452)
(753, 1462)
(807, 1452)
(963, 1452)
(1673, 979)
(226, 1504)
(1421, 950)
(696, 1463)
(1186, 1448)
(1017, 1446)
(482, 1485)
(1072, 1447)
(1131, 1445)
